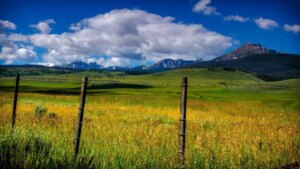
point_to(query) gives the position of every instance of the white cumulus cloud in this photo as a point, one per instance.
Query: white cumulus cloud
(117, 38)
(44, 26)
(4, 24)
(9, 55)
(292, 28)
(237, 18)
(43, 63)
(266, 23)
(203, 7)
(126, 36)
(11, 51)
(14, 37)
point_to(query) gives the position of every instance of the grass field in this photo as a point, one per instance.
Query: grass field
(234, 120)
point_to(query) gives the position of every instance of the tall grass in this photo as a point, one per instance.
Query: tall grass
(142, 132)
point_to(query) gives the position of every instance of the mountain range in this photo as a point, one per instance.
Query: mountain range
(243, 51)
(252, 58)
(79, 65)
(264, 63)
(170, 64)
(164, 64)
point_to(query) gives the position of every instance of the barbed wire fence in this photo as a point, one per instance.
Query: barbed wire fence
(80, 121)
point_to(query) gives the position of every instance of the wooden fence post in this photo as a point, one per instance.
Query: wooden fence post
(80, 114)
(14, 110)
(182, 127)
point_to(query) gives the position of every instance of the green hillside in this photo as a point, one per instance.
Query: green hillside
(31, 70)
(270, 67)
(196, 76)
(204, 85)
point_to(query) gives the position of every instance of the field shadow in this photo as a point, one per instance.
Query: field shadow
(92, 88)
(118, 86)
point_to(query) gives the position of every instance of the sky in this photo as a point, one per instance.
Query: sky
(141, 32)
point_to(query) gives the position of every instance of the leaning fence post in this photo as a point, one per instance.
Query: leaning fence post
(80, 114)
(182, 127)
(14, 113)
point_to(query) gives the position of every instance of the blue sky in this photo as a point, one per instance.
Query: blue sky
(130, 33)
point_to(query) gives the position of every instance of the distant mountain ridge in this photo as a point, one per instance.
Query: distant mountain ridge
(262, 62)
(164, 64)
(246, 50)
(79, 65)
(116, 68)
(170, 64)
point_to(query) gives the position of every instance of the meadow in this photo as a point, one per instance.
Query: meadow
(234, 120)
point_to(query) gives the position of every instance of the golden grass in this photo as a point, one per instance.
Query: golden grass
(143, 130)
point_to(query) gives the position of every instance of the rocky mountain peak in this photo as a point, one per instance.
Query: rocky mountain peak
(245, 50)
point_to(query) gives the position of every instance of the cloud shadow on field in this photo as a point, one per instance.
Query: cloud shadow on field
(118, 86)
(92, 88)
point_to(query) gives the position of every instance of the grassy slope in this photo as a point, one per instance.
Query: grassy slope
(197, 77)
(32, 70)
(204, 85)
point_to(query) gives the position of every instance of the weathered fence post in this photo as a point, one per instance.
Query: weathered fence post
(182, 126)
(80, 114)
(14, 110)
